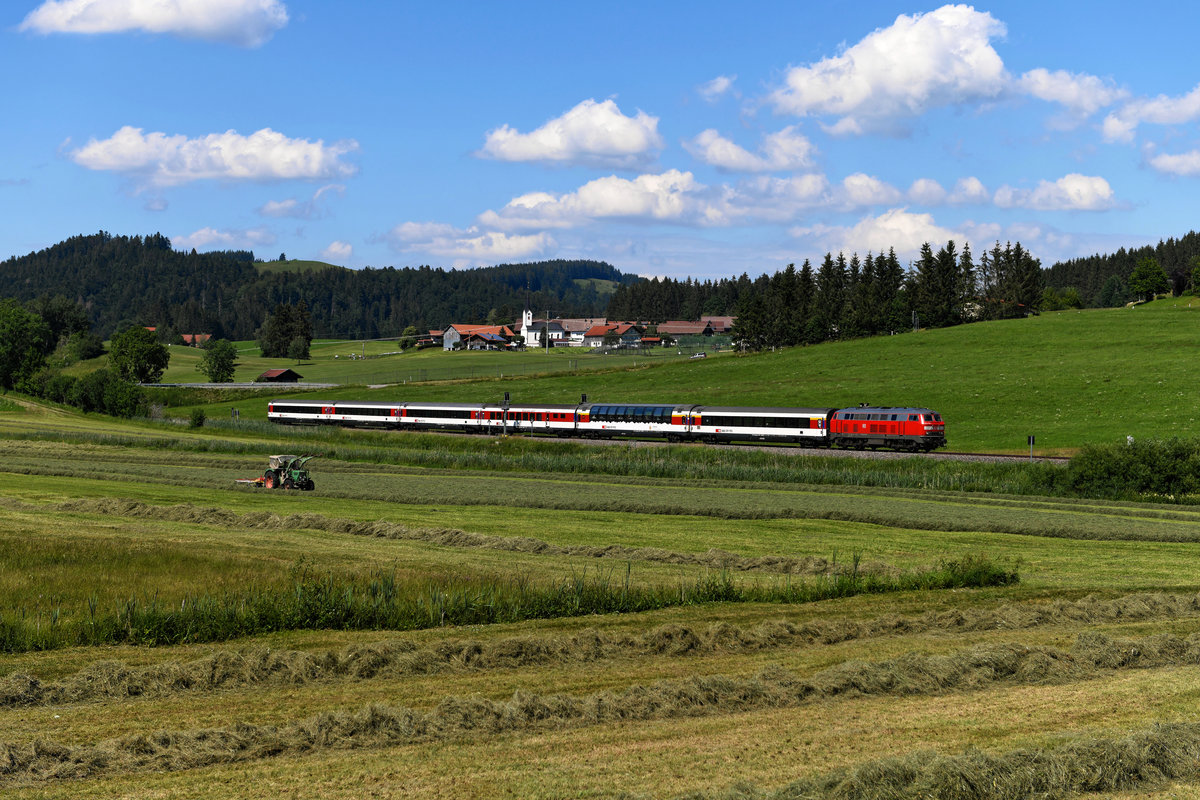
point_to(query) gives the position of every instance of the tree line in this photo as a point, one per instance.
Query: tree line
(846, 298)
(1103, 281)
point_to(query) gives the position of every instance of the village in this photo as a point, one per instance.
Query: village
(590, 332)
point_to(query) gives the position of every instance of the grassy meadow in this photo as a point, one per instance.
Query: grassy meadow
(1066, 378)
(472, 617)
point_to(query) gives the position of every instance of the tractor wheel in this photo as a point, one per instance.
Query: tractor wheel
(309, 485)
(288, 484)
(269, 479)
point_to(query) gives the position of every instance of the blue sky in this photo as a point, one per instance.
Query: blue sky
(682, 139)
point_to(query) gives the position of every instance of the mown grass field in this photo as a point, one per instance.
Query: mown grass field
(1081, 676)
(783, 654)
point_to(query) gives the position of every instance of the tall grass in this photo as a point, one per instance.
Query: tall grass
(381, 602)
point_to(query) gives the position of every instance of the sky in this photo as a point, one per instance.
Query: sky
(682, 139)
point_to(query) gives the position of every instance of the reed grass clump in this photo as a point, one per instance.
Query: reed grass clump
(381, 602)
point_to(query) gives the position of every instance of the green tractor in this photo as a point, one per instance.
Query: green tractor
(288, 472)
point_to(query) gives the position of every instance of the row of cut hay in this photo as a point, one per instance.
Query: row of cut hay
(1142, 761)
(381, 602)
(377, 726)
(451, 537)
(397, 658)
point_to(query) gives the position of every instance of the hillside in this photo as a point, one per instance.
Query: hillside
(1066, 378)
(124, 280)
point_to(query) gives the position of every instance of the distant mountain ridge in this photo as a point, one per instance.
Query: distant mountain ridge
(124, 280)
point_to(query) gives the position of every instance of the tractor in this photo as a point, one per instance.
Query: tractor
(288, 472)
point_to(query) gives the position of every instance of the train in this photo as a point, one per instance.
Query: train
(861, 427)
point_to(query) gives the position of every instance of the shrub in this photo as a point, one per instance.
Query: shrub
(197, 418)
(1165, 468)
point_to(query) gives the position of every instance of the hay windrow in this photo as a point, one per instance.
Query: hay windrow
(1140, 761)
(451, 537)
(227, 669)
(380, 726)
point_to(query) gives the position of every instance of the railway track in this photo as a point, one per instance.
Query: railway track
(791, 449)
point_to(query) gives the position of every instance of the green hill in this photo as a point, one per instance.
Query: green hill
(1066, 378)
(123, 280)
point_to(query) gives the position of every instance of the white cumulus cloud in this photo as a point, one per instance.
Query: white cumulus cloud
(591, 133)
(670, 196)
(471, 244)
(860, 189)
(783, 150)
(1121, 125)
(970, 190)
(1183, 164)
(234, 239)
(248, 23)
(311, 208)
(1072, 192)
(716, 88)
(927, 191)
(896, 228)
(337, 251)
(1080, 94)
(162, 160)
(923, 61)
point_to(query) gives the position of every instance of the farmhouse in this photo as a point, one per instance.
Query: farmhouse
(620, 334)
(679, 328)
(457, 334)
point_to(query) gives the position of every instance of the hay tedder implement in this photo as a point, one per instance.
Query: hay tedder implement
(285, 472)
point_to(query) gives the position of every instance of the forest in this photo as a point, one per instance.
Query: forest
(1102, 280)
(124, 280)
(848, 298)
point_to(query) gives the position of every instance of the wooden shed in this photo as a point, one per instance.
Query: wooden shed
(279, 376)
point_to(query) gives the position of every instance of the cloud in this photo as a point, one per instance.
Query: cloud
(213, 239)
(716, 88)
(301, 209)
(1080, 94)
(1072, 192)
(1121, 125)
(440, 239)
(922, 61)
(896, 228)
(161, 160)
(969, 190)
(248, 23)
(670, 196)
(337, 251)
(785, 150)
(860, 190)
(770, 199)
(1182, 164)
(591, 133)
(927, 191)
